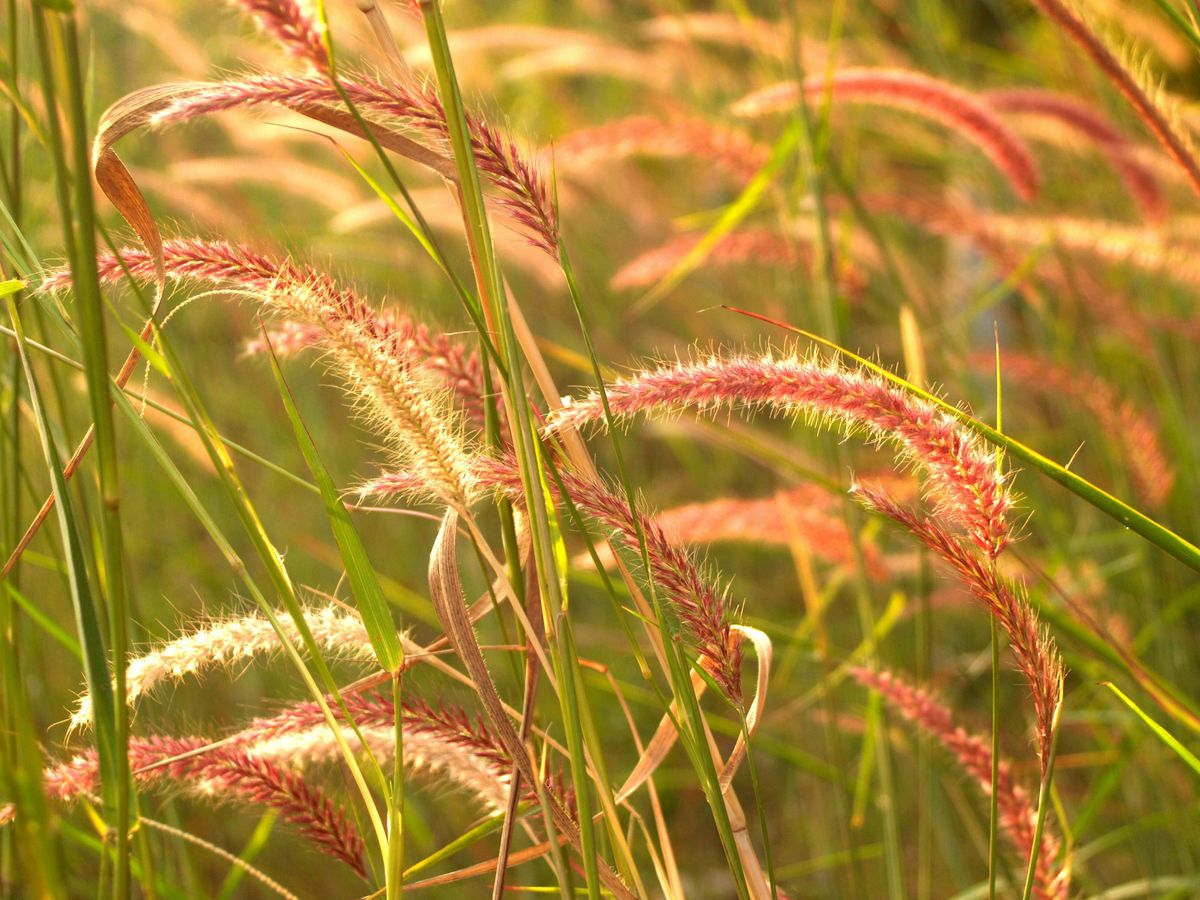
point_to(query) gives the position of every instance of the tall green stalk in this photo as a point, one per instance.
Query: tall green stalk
(1043, 805)
(89, 303)
(76, 210)
(814, 135)
(677, 664)
(492, 293)
(20, 755)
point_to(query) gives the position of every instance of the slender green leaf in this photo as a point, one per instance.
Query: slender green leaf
(376, 615)
(1158, 534)
(1161, 733)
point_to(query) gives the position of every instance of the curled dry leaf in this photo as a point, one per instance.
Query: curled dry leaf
(445, 588)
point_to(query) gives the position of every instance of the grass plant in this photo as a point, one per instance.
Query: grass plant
(566, 565)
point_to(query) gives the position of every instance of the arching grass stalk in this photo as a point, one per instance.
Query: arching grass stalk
(169, 364)
(86, 615)
(677, 667)
(76, 212)
(20, 756)
(993, 806)
(544, 530)
(1043, 803)
(994, 636)
(22, 759)
(376, 617)
(1156, 533)
(95, 346)
(814, 148)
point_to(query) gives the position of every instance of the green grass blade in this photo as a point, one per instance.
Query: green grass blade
(1156, 533)
(281, 580)
(1161, 733)
(87, 613)
(376, 615)
(44, 622)
(368, 595)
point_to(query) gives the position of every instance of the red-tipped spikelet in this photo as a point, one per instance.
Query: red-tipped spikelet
(392, 382)
(1018, 816)
(915, 92)
(1086, 120)
(1121, 420)
(963, 477)
(1035, 651)
(523, 187)
(291, 26)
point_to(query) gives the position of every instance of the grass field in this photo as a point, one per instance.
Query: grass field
(646, 449)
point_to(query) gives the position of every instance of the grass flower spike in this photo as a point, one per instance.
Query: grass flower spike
(963, 479)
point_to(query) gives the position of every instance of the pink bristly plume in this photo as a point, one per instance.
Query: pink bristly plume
(1177, 145)
(1089, 122)
(963, 478)
(1018, 816)
(291, 26)
(945, 103)
(1035, 651)
(224, 772)
(230, 265)
(524, 193)
(700, 605)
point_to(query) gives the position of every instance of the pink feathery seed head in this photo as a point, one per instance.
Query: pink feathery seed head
(522, 185)
(1177, 144)
(292, 27)
(81, 774)
(522, 182)
(747, 246)
(962, 474)
(700, 605)
(1035, 651)
(1018, 817)
(441, 739)
(223, 772)
(303, 805)
(1128, 426)
(804, 514)
(185, 258)
(694, 138)
(459, 367)
(370, 709)
(393, 486)
(222, 263)
(1085, 119)
(915, 92)
(395, 385)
